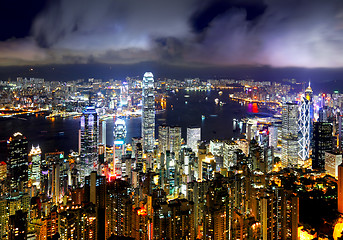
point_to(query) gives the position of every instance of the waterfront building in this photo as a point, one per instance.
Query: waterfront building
(17, 163)
(89, 142)
(289, 138)
(148, 112)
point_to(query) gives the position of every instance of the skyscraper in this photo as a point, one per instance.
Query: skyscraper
(304, 122)
(148, 112)
(163, 138)
(322, 142)
(193, 136)
(102, 132)
(175, 140)
(17, 163)
(89, 141)
(34, 166)
(289, 138)
(169, 138)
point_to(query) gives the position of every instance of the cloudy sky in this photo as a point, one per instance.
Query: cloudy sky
(276, 33)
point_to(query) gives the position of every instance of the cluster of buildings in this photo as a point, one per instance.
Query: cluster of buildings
(162, 186)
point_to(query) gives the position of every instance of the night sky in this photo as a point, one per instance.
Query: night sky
(192, 34)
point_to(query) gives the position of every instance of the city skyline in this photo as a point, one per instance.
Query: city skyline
(185, 119)
(236, 175)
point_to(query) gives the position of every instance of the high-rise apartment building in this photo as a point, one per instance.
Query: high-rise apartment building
(17, 163)
(289, 138)
(89, 142)
(148, 112)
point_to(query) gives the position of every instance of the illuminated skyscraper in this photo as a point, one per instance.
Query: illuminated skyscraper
(119, 135)
(124, 94)
(193, 136)
(17, 163)
(34, 166)
(304, 122)
(102, 132)
(289, 138)
(89, 142)
(148, 112)
(163, 138)
(322, 142)
(175, 140)
(169, 138)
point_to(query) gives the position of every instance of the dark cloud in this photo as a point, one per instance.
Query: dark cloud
(16, 17)
(221, 32)
(202, 18)
(169, 49)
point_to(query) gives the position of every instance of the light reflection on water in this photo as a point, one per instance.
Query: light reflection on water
(62, 134)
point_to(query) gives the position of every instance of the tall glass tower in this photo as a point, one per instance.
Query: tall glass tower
(17, 163)
(304, 122)
(35, 166)
(148, 112)
(89, 142)
(289, 138)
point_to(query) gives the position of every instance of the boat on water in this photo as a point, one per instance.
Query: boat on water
(202, 117)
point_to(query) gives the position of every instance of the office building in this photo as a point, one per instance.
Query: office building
(17, 163)
(34, 166)
(289, 138)
(305, 123)
(163, 138)
(322, 142)
(148, 112)
(102, 132)
(193, 137)
(89, 142)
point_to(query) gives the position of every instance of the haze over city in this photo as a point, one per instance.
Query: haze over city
(220, 36)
